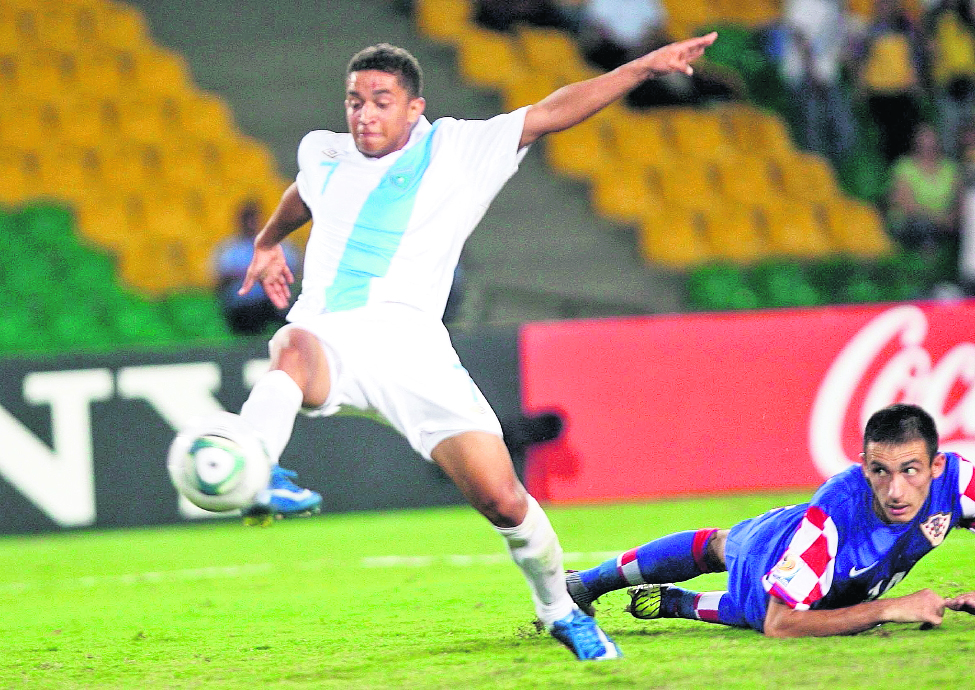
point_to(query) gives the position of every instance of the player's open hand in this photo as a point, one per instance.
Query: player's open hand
(677, 57)
(270, 268)
(963, 602)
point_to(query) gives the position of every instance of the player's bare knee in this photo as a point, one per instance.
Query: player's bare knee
(504, 508)
(299, 354)
(714, 551)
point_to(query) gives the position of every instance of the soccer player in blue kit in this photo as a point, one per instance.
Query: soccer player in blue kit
(392, 202)
(817, 568)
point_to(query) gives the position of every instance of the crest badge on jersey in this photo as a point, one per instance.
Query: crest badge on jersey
(936, 527)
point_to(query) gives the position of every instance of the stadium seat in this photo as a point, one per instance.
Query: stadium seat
(857, 228)
(783, 283)
(796, 230)
(640, 137)
(443, 21)
(720, 286)
(753, 130)
(807, 177)
(699, 133)
(734, 234)
(489, 59)
(690, 183)
(746, 179)
(623, 193)
(580, 151)
(119, 26)
(527, 89)
(555, 52)
(673, 238)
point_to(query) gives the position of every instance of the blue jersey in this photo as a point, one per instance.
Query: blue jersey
(835, 551)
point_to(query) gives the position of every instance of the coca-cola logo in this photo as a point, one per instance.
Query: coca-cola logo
(887, 362)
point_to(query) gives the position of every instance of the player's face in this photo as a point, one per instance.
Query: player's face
(380, 112)
(900, 476)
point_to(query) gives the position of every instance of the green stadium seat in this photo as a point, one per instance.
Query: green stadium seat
(720, 287)
(784, 284)
(196, 315)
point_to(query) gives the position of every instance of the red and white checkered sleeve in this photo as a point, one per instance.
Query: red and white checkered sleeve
(966, 488)
(804, 574)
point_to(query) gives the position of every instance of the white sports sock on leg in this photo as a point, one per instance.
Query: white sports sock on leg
(270, 410)
(535, 548)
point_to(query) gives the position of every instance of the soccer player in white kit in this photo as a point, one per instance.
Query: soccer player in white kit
(392, 203)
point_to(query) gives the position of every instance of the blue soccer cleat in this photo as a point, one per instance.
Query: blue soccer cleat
(282, 498)
(579, 632)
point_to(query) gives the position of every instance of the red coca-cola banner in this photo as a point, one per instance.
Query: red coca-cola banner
(659, 406)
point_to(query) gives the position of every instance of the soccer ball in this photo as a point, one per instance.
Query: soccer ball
(219, 464)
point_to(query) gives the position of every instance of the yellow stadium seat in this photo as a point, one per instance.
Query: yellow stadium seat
(16, 187)
(673, 238)
(699, 134)
(444, 21)
(857, 228)
(640, 137)
(753, 130)
(205, 115)
(120, 26)
(552, 51)
(746, 179)
(734, 234)
(106, 222)
(807, 176)
(795, 229)
(690, 14)
(623, 193)
(527, 89)
(688, 183)
(489, 59)
(161, 71)
(578, 152)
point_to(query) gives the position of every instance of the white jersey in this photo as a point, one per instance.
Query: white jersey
(391, 229)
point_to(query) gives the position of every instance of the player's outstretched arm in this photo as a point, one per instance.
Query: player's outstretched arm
(268, 264)
(574, 103)
(923, 606)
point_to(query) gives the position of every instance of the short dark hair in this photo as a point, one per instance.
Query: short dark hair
(902, 423)
(392, 60)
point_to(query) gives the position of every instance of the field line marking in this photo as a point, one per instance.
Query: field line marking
(249, 569)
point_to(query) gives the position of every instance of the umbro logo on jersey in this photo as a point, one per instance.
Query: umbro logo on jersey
(936, 527)
(331, 153)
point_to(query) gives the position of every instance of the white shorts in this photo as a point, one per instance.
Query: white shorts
(399, 363)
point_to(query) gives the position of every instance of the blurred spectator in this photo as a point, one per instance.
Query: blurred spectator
(966, 225)
(923, 204)
(814, 49)
(950, 33)
(889, 77)
(612, 32)
(502, 15)
(253, 313)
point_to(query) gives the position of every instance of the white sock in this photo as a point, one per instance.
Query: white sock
(270, 410)
(535, 549)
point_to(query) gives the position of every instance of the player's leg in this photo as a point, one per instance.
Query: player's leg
(299, 376)
(673, 558)
(480, 466)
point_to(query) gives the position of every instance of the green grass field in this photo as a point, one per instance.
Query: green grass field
(418, 599)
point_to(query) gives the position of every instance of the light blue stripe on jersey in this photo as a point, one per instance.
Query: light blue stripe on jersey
(379, 228)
